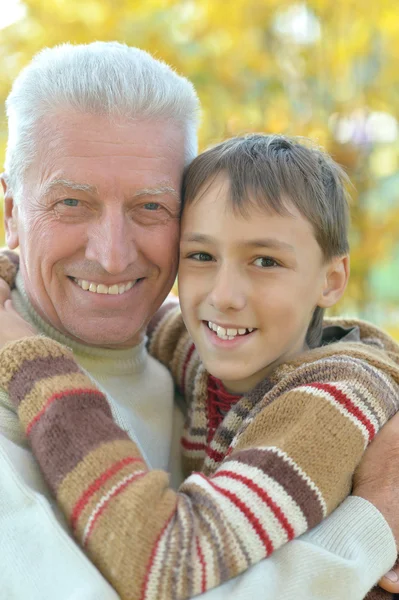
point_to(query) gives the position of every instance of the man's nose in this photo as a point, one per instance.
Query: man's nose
(228, 290)
(110, 243)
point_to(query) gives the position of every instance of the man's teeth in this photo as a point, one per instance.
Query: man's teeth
(228, 334)
(100, 288)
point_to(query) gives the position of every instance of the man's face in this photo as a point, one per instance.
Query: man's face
(99, 210)
(257, 279)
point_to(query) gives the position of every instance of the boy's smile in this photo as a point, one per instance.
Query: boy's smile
(248, 285)
(229, 332)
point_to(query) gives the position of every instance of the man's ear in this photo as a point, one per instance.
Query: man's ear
(336, 279)
(10, 216)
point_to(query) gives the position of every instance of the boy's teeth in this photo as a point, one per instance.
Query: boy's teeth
(104, 289)
(113, 289)
(228, 334)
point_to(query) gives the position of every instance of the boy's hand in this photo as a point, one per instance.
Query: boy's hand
(377, 480)
(12, 326)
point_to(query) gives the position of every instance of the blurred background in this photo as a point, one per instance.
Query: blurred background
(325, 69)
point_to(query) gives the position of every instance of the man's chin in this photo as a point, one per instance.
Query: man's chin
(113, 337)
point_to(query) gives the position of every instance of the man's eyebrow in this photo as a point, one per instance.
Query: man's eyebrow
(92, 189)
(157, 191)
(70, 185)
(270, 243)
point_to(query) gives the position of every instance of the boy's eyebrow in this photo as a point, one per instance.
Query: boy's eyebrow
(197, 237)
(258, 243)
(270, 243)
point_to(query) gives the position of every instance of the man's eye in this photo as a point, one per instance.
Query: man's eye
(152, 206)
(70, 202)
(265, 262)
(201, 256)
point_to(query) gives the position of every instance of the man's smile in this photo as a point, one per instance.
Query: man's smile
(101, 288)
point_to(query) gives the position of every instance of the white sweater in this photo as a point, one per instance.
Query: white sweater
(342, 558)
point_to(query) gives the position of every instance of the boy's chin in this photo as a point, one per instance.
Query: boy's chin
(233, 382)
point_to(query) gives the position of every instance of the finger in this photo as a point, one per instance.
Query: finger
(5, 292)
(8, 305)
(390, 581)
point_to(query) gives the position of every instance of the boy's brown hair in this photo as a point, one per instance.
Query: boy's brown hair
(268, 170)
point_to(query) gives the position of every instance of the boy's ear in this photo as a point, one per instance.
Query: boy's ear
(10, 216)
(336, 279)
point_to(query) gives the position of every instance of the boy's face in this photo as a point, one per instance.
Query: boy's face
(259, 276)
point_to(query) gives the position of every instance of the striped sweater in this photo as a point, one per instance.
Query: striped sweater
(280, 461)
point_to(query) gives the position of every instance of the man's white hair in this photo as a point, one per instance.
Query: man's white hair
(104, 78)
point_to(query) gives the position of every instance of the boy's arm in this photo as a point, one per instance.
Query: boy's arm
(148, 540)
(353, 573)
(39, 560)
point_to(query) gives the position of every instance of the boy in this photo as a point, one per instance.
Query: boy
(280, 409)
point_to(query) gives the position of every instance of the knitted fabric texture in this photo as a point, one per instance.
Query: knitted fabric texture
(9, 263)
(280, 461)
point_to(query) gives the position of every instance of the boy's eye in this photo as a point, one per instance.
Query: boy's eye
(201, 256)
(265, 262)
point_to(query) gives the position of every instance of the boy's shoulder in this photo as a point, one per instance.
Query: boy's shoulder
(356, 365)
(344, 330)
(348, 346)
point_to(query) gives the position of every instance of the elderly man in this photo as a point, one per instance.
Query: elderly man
(98, 139)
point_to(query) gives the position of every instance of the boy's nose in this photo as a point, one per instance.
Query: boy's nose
(228, 291)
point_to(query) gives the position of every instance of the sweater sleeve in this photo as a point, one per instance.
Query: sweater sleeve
(170, 343)
(39, 560)
(352, 548)
(289, 468)
(9, 265)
